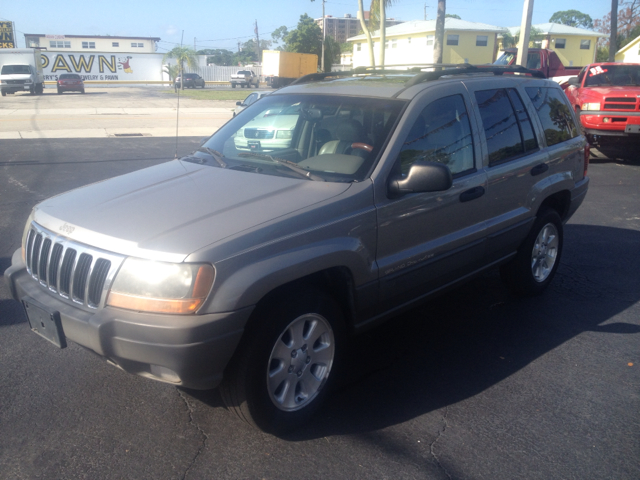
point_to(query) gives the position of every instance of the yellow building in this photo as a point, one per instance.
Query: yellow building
(575, 47)
(411, 43)
(630, 53)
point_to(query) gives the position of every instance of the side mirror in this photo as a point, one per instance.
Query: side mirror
(239, 104)
(423, 177)
(573, 81)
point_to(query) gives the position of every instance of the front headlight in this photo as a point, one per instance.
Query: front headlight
(284, 134)
(159, 287)
(590, 106)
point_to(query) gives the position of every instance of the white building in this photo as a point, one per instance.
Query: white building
(97, 43)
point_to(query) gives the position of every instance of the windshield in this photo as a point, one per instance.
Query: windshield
(505, 59)
(13, 69)
(533, 60)
(329, 138)
(613, 76)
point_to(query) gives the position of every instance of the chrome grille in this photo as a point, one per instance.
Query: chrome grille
(258, 133)
(75, 272)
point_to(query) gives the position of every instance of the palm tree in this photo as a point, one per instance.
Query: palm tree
(173, 71)
(366, 31)
(183, 55)
(378, 18)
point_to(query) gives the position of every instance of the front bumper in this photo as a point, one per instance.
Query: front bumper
(17, 88)
(187, 350)
(619, 124)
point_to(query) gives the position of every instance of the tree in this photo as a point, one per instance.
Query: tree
(511, 41)
(279, 34)
(306, 38)
(377, 21)
(628, 18)
(247, 53)
(332, 50)
(183, 55)
(219, 56)
(573, 18)
(452, 15)
(173, 71)
(367, 33)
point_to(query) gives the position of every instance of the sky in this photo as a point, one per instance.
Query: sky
(222, 24)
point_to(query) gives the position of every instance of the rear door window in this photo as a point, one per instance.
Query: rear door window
(554, 114)
(507, 126)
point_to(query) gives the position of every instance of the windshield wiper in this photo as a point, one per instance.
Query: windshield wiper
(216, 155)
(281, 161)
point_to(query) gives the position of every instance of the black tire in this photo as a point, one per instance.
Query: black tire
(4, 94)
(537, 260)
(303, 366)
(233, 85)
(82, 91)
(59, 92)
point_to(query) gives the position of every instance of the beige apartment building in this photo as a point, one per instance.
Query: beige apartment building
(341, 28)
(98, 43)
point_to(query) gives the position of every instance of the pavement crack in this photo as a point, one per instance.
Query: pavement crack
(205, 437)
(433, 444)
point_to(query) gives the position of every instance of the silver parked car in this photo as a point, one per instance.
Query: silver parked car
(248, 264)
(251, 99)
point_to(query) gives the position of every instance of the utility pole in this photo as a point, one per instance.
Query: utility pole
(257, 42)
(438, 44)
(425, 11)
(194, 45)
(525, 30)
(613, 38)
(324, 35)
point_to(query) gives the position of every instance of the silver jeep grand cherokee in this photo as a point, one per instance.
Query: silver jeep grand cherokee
(248, 268)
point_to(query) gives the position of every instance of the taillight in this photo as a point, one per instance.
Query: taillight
(587, 153)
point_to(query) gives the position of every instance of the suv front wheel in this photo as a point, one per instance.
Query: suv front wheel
(537, 260)
(283, 368)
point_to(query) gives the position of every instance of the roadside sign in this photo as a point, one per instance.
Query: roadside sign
(7, 36)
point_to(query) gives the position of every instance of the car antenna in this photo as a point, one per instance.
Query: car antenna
(178, 91)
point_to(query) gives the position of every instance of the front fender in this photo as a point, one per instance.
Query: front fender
(245, 285)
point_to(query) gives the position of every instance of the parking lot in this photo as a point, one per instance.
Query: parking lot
(477, 384)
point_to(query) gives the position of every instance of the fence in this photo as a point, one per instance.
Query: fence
(215, 73)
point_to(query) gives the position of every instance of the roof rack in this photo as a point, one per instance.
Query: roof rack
(439, 70)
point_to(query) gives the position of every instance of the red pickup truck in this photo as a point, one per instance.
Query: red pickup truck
(607, 98)
(542, 60)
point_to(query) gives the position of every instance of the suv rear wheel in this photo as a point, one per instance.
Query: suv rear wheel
(283, 368)
(537, 260)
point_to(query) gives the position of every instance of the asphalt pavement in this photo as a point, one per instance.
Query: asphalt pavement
(477, 384)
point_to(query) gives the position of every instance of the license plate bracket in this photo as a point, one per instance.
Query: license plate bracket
(44, 322)
(632, 128)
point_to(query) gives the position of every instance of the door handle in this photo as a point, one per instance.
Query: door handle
(538, 169)
(472, 194)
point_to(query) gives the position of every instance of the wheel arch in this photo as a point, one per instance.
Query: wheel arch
(559, 201)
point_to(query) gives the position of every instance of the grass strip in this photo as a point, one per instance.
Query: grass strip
(205, 94)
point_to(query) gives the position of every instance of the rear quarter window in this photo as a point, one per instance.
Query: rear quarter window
(554, 113)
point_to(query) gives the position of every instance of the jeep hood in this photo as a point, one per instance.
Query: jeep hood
(170, 210)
